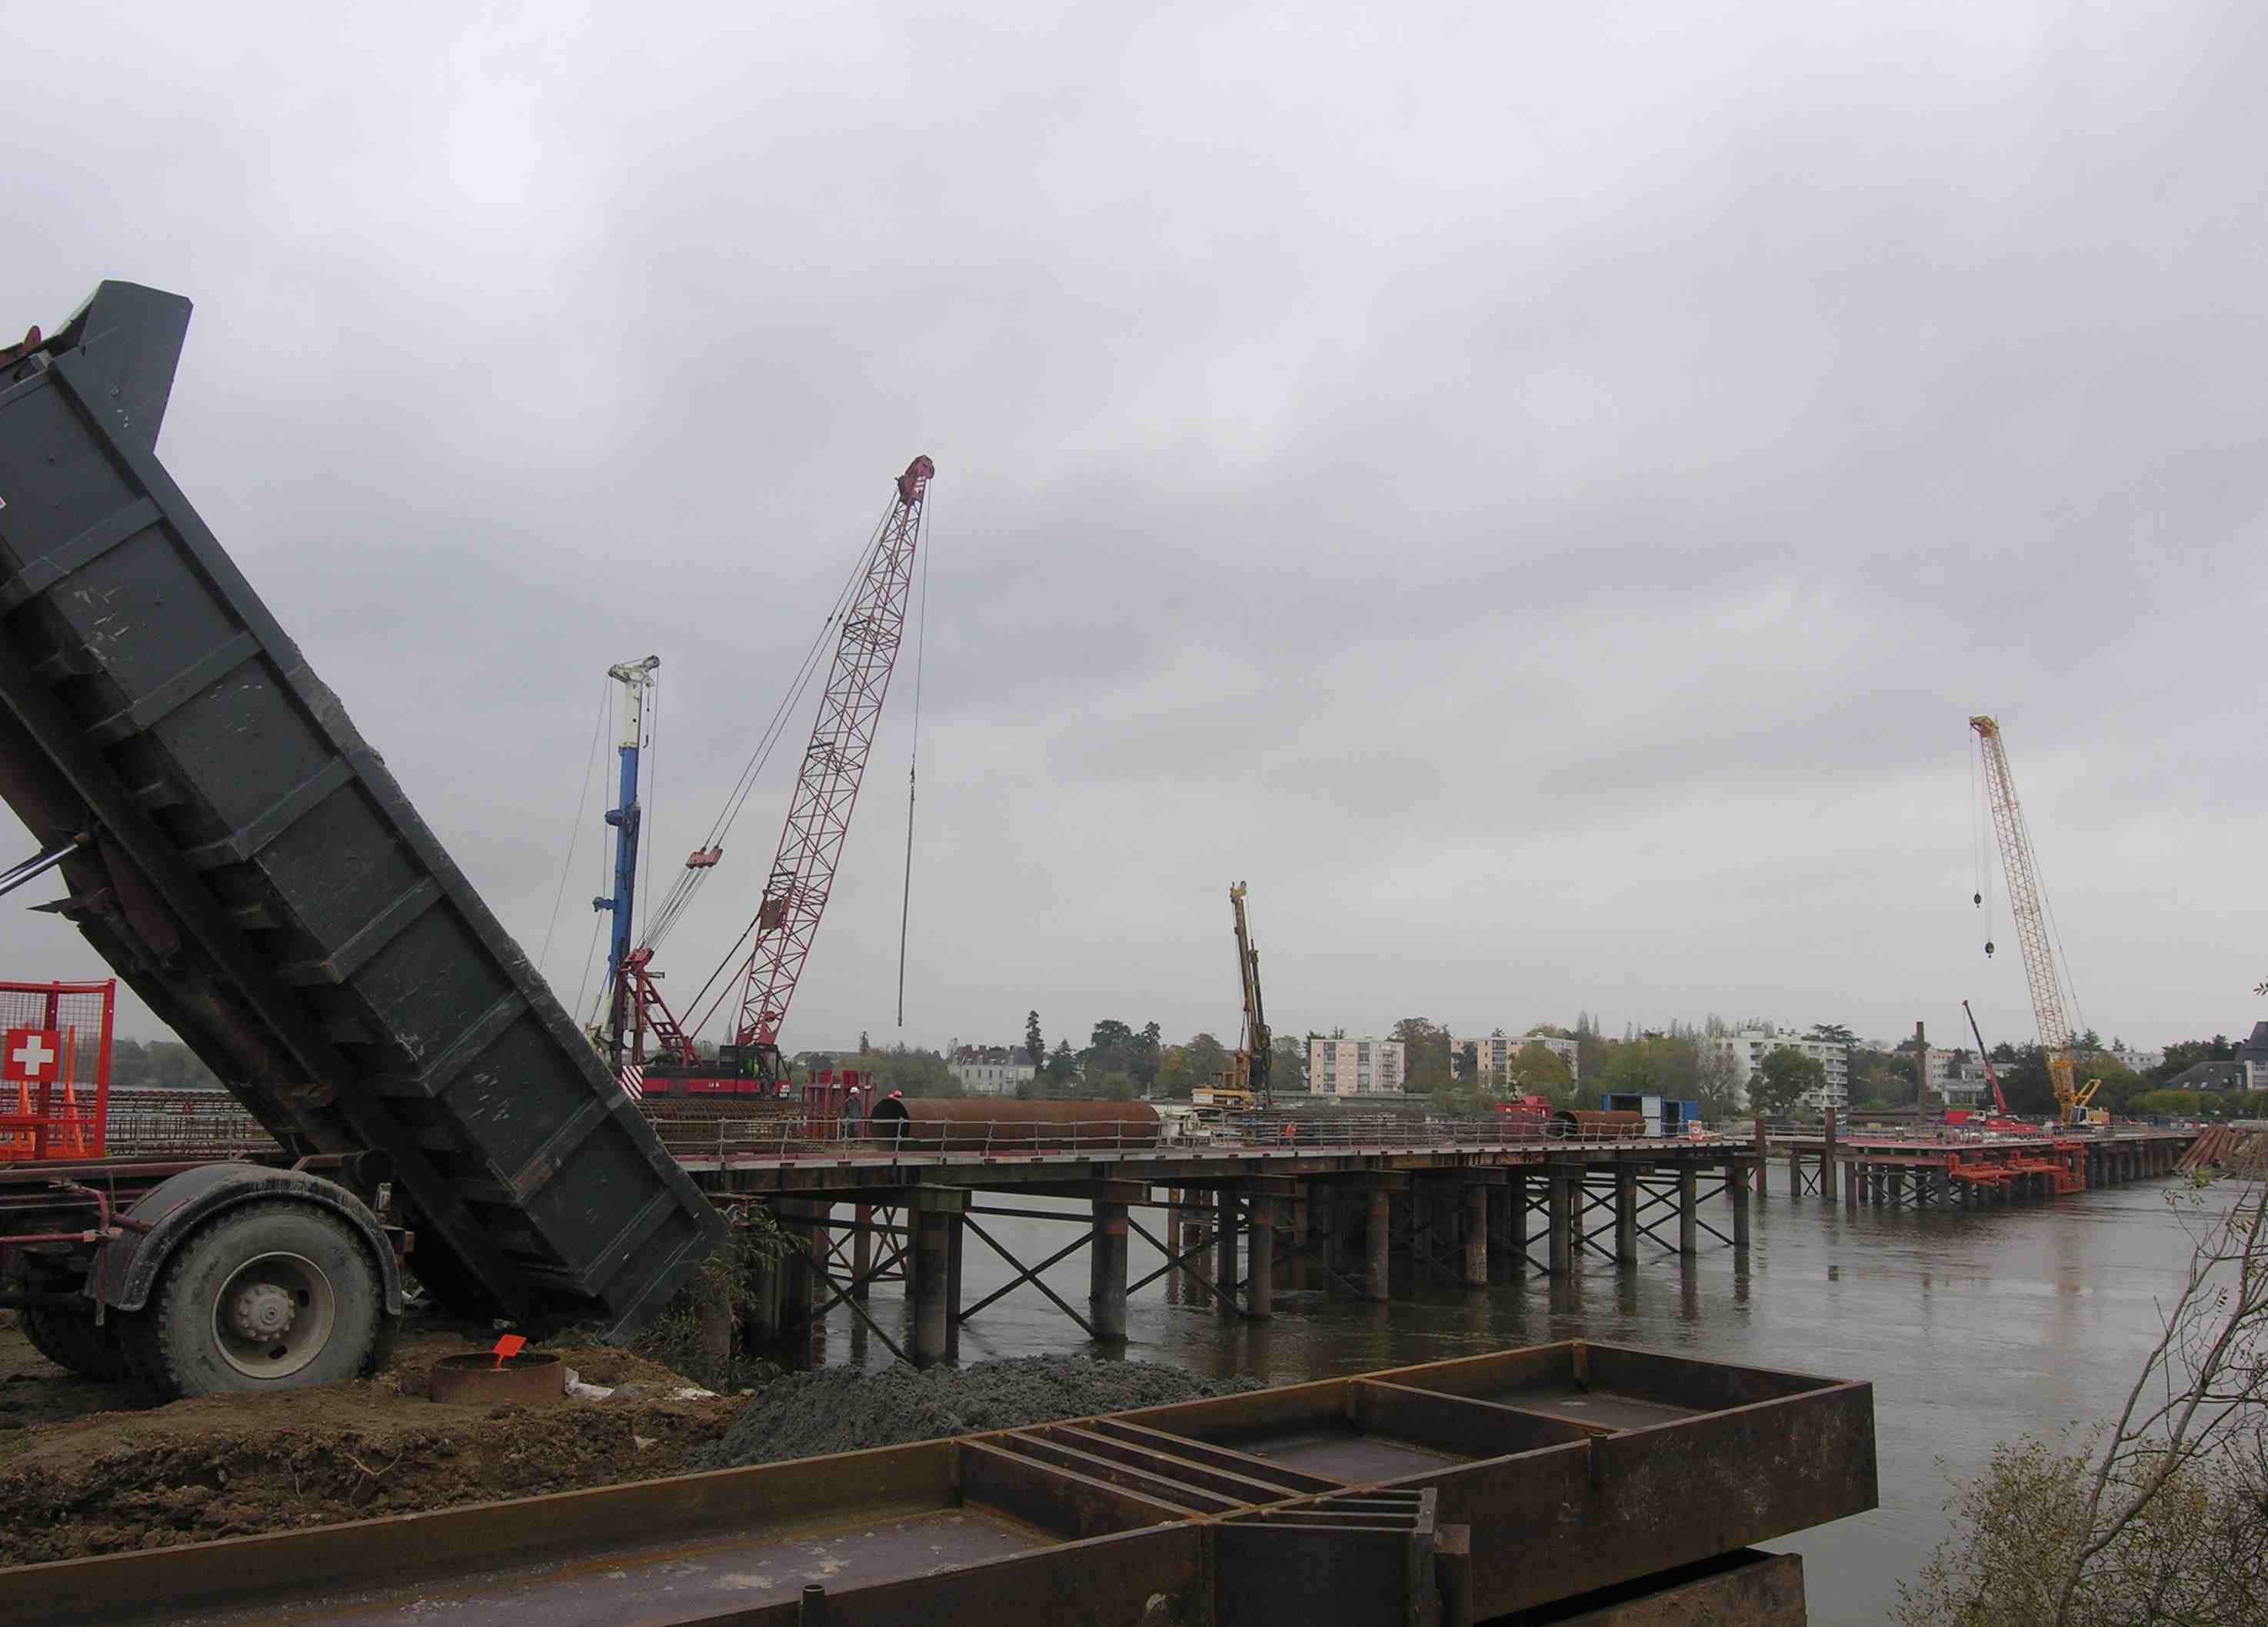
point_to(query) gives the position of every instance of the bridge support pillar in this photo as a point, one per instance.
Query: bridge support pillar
(1827, 1159)
(760, 1322)
(1514, 1196)
(1850, 1184)
(795, 1329)
(1377, 1243)
(936, 1217)
(1477, 1235)
(1260, 1259)
(1625, 1215)
(1224, 1247)
(1737, 1184)
(1566, 1186)
(1688, 1211)
(1323, 1223)
(862, 1249)
(1109, 1249)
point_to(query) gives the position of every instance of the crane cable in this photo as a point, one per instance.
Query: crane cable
(689, 880)
(575, 831)
(913, 756)
(2061, 965)
(650, 804)
(1979, 816)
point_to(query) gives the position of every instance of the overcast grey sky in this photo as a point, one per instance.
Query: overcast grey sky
(1537, 491)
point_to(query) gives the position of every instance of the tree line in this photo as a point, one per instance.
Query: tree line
(1120, 1062)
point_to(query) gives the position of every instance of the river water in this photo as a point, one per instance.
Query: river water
(1972, 1327)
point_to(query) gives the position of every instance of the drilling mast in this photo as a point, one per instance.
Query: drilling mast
(635, 678)
(1255, 1054)
(2030, 914)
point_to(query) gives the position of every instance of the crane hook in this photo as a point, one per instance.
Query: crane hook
(1978, 898)
(1988, 949)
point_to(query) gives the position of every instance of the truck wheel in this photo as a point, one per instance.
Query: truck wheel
(269, 1297)
(70, 1339)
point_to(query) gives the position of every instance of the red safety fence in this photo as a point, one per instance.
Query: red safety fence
(54, 1069)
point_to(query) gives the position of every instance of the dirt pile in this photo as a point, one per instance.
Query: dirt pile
(846, 1410)
(235, 1465)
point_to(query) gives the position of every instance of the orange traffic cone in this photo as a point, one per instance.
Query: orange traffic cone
(70, 1141)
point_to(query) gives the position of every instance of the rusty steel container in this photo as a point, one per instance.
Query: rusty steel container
(990, 1124)
(530, 1376)
(1591, 1124)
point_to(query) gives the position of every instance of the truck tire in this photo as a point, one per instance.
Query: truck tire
(273, 1296)
(70, 1339)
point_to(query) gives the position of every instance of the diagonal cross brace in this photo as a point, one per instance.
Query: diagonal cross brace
(1173, 1259)
(1030, 1274)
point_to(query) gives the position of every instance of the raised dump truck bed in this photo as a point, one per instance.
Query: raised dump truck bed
(1569, 1482)
(236, 849)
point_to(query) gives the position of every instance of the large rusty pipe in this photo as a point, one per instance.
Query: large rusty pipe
(1585, 1124)
(989, 1124)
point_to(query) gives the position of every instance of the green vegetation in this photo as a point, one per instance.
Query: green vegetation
(2159, 1518)
(1538, 1070)
(1782, 1079)
(725, 1286)
(1425, 1063)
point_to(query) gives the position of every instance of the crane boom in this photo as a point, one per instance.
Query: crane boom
(826, 787)
(1991, 1075)
(2030, 915)
(1254, 1055)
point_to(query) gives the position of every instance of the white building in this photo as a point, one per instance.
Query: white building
(1746, 1051)
(1967, 1087)
(1354, 1066)
(990, 1069)
(2140, 1061)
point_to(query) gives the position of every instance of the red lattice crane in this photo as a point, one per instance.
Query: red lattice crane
(826, 789)
(819, 816)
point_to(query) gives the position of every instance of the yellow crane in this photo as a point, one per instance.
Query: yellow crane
(2030, 914)
(1245, 1084)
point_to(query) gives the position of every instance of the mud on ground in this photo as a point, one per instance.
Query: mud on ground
(90, 1469)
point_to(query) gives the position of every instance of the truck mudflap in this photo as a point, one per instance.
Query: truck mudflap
(128, 1267)
(242, 857)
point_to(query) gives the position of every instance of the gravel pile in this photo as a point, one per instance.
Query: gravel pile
(848, 1409)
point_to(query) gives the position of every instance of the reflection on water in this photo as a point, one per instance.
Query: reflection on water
(1971, 1326)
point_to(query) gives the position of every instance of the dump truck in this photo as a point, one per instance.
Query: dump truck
(235, 849)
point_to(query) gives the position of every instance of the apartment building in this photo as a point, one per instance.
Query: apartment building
(1494, 1052)
(1746, 1050)
(1364, 1066)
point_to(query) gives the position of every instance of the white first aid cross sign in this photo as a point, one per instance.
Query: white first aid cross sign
(31, 1055)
